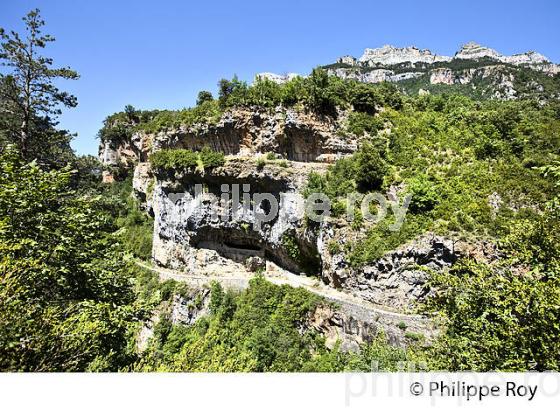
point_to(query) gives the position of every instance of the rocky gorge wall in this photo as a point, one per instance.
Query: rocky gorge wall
(291, 134)
(190, 235)
(205, 233)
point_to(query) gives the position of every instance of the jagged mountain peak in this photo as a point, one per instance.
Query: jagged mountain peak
(389, 55)
(489, 73)
(473, 50)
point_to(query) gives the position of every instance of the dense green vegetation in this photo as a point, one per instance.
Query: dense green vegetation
(66, 300)
(67, 294)
(528, 83)
(134, 226)
(496, 320)
(72, 298)
(259, 329)
(452, 153)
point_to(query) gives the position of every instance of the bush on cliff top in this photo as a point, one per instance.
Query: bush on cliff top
(174, 159)
(318, 92)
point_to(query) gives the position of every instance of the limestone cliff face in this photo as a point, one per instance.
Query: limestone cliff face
(290, 134)
(191, 235)
(413, 57)
(207, 234)
(389, 55)
(125, 153)
(489, 73)
(501, 78)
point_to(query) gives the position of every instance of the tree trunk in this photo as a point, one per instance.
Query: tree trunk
(24, 136)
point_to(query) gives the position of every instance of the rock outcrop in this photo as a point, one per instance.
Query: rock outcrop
(389, 55)
(200, 229)
(205, 233)
(398, 279)
(192, 235)
(487, 72)
(290, 134)
(392, 56)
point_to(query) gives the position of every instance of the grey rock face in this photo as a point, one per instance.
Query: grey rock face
(398, 278)
(395, 64)
(389, 55)
(143, 184)
(186, 310)
(193, 232)
(290, 134)
(373, 76)
(353, 326)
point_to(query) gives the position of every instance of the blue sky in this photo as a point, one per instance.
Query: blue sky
(159, 54)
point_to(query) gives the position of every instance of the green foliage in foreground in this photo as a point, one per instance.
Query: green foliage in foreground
(259, 330)
(177, 159)
(496, 320)
(66, 300)
(505, 316)
(135, 227)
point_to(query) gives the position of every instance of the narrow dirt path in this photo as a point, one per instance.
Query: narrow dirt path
(346, 301)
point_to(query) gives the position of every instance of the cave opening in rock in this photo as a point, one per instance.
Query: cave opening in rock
(243, 246)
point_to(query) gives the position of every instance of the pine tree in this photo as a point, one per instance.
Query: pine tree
(28, 94)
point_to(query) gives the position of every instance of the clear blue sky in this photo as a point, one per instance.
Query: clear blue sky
(159, 54)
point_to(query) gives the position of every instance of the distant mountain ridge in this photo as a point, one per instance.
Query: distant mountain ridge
(475, 70)
(389, 55)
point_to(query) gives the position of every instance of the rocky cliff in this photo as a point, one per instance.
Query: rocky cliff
(200, 229)
(481, 71)
(190, 235)
(290, 134)
(412, 57)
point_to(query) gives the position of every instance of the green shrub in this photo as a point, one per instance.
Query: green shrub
(365, 99)
(424, 194)
(174, 159)
(261, 162)
(360, 123)
(211, 159)
(371, 166)
(204, 96)
(417, 337)
(208, 112)
(333, 247)
(381, 239)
